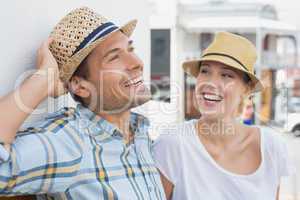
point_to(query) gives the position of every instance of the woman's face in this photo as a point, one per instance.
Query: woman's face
(219, 90)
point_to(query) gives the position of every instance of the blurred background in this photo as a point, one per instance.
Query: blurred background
(168, 33)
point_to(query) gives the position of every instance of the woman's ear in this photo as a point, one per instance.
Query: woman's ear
(248, 90)
(246, 93)
(79, 87)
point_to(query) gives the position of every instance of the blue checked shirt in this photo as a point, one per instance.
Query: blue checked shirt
(74, 154)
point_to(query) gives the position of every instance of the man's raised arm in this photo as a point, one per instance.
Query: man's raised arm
(16, 106)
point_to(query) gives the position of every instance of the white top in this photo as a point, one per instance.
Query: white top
(184, 161)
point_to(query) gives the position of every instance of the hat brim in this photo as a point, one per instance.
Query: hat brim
(71, 65)
(192, 68)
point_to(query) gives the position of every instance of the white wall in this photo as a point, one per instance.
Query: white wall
(25, 24)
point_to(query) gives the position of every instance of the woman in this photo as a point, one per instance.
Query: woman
(217, 157)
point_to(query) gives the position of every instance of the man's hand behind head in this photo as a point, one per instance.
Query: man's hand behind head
(48, 68)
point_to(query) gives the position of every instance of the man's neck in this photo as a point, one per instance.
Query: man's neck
(120, 120)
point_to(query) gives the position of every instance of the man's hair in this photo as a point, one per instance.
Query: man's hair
(82, 71)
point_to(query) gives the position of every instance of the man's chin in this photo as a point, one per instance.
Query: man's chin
(141, 96)
(126, 105)
(140, 101)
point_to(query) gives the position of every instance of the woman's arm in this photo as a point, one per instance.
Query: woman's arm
(168, 186)
(278, 190)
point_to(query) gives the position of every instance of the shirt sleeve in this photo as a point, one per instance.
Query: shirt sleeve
(278, 149)
(41, 162)
(4, 154)
(285, 162)
(166, 153)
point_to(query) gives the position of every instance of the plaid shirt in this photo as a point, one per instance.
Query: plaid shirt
(74, 154)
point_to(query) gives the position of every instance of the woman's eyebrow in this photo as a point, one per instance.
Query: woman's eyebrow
(204, 65)
(228, 69)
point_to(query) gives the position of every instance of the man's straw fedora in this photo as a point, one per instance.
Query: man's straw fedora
(77, 34)
(232, 50)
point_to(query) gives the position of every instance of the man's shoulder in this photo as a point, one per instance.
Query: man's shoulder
(55, 122)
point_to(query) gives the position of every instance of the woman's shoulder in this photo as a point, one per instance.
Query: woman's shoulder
(267, 138)
(276, 147)
(272, 138)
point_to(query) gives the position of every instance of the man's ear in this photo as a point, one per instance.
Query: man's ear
(79, 86)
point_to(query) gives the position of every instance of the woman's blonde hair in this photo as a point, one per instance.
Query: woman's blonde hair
(247, 95)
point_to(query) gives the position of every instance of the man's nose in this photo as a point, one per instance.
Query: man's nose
(133, 62)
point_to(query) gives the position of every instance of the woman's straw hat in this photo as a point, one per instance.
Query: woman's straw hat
(232, 50)
(77, 34)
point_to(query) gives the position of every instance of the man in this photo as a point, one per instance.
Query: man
(100, 150)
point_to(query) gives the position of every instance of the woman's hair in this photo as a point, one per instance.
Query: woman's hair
(247, 80)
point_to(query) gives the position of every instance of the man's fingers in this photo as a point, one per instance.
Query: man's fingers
(49, 41)
(41, 49)
(45, 45)
(44, 55)
(40, 53)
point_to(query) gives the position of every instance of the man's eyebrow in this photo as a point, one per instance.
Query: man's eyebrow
(111, 51)
(130, 42)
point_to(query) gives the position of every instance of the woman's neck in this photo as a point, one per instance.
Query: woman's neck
(218, 130)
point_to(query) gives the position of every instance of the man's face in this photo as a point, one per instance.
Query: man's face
(115, 72)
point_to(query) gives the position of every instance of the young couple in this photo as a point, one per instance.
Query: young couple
(101, 150)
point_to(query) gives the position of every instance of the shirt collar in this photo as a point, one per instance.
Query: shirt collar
(99, 127)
